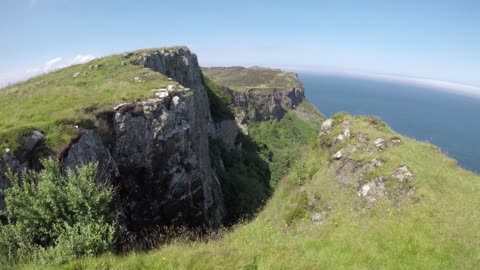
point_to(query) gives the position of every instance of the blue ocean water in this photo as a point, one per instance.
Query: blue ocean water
(450, 121)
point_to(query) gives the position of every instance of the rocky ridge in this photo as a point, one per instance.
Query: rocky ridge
(343, 143)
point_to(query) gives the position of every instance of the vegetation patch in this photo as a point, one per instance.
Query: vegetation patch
(286, 140)
(53, 218)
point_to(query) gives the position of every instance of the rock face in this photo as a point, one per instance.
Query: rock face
(89, 148)
(265, 104)
(161, 149)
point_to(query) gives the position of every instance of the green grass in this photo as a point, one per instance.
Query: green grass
(437, 230)
(243, 79)
(285, 141)
(55, 102)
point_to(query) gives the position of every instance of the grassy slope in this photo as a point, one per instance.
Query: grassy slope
(243, 79)
(440, 230)
(53, 103)
(285, 139)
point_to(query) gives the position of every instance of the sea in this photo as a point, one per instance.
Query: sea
(448, 120)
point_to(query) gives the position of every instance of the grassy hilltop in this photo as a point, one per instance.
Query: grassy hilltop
(55, 102)
(243, 79)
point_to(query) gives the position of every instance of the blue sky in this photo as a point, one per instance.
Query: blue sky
(438, 40)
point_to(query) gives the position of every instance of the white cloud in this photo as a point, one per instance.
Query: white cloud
(53, 64)
(50, 65)
(79, 59)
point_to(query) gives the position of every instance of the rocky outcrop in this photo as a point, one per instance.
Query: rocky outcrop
(157, 152)
(363, 177)
(265, 104)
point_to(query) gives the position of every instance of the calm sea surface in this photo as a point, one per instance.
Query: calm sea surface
(447, 120)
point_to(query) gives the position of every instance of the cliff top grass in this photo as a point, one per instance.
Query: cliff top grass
(436, 229)
(244, 79)
(54, 103)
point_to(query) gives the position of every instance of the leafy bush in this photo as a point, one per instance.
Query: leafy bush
(300, 210)
(54, 217)
(284, 141)
(303, 172)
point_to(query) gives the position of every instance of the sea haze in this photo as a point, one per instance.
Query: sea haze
(448, 120)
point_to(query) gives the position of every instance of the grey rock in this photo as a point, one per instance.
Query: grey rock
(176, 100)
(338, 155)
(377, 162)
(90, 149)
(380, 144)
(402, 173)
(326, 126)
(373, 190)
(227, 131)
(30, 141)
(76, 74)
(28, 144)
(349, 149)
(319, 217)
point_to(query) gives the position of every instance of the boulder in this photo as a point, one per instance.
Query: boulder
(380, 144)
(28, 144)
(402, 173)
(338, 155)
(373, 190)
(326, 126)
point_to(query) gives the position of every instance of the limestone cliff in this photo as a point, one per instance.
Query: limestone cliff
(157, 153)
(266, 104)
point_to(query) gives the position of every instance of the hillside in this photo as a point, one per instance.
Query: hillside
(223, 172)
(323, 216)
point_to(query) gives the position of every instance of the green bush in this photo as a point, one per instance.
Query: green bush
(54, 217)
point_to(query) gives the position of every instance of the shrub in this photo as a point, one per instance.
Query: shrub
(54, 217)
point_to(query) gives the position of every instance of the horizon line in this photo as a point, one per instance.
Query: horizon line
(433, 84)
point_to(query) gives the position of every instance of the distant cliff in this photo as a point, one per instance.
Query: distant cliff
(261, 94)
